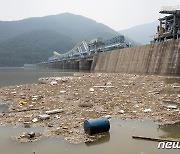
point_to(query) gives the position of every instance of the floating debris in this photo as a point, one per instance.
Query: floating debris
(27, 125)
(42, 81)
(22, 103)
(44, 116)
(176, 88)
(104, 86)
(94, 126)
(31, 134)
(147, 110)
(53, 83)
(14, 92)
(85, 104)
(54, 111)
(88, 96)
(121, 112)
(27, 137)
(62, 91)
(91, 90)
(107, 116)
(35, 120)
(171, 106)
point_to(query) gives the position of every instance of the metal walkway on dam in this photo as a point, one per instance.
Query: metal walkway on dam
(81, 56)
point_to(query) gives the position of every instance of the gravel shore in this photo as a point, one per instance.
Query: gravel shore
(90, 95)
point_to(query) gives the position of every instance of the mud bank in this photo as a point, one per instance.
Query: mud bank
(86, 96)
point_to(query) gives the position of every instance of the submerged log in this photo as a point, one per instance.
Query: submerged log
(25, 110)
(154, 139)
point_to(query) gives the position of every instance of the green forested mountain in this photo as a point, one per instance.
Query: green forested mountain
(33, 40)
(32, 47)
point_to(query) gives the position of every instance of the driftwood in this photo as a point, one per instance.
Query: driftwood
(103, 86)
(25, 110)
(154, 139)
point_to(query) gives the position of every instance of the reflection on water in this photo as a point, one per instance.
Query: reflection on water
(119, 140)
(17, 76)
(171, 131)
(172, 80)
(104, 139)
(170, 89)
(3, 108)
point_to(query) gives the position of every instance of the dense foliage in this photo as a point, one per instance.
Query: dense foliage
(32, 47)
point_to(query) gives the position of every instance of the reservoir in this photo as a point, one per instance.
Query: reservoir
(118, 140)
(18, 76)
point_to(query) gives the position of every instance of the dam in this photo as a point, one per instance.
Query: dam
(155, 58)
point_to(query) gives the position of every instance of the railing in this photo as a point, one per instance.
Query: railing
(170, 8)
(82, 49)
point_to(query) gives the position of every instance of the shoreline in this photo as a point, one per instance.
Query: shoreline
(91, 95)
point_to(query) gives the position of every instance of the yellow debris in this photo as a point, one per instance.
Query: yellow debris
(22, 103)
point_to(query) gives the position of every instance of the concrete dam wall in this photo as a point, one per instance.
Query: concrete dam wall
(155, 58)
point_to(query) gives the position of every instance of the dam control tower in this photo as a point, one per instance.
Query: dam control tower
(169, 27)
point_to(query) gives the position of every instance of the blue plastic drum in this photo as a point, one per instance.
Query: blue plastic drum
(95, 126)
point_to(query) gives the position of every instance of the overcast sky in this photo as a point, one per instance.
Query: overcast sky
(117, 14)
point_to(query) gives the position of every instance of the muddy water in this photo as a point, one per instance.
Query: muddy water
(17, 76)
(172, 80)
(3, 107)
(118, 140)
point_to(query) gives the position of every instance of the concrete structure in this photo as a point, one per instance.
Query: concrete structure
(77, 64)
(169, 26)
(156, 58)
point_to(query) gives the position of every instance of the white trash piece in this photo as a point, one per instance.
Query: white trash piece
(147, 110)
(54, 111)
(107, 116)
(121, 112)
(91, 90)
(44, 116)
(62, 91)
(172, 106)
(53, 83)
(35, 120)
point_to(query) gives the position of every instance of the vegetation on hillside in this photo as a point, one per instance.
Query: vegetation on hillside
(33, 47)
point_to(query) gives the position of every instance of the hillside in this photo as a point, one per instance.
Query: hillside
(33, 40)
(142, 33)
(32, 47)
(76, 26)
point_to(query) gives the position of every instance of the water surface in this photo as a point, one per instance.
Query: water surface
(18, 76)
(118, 141)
